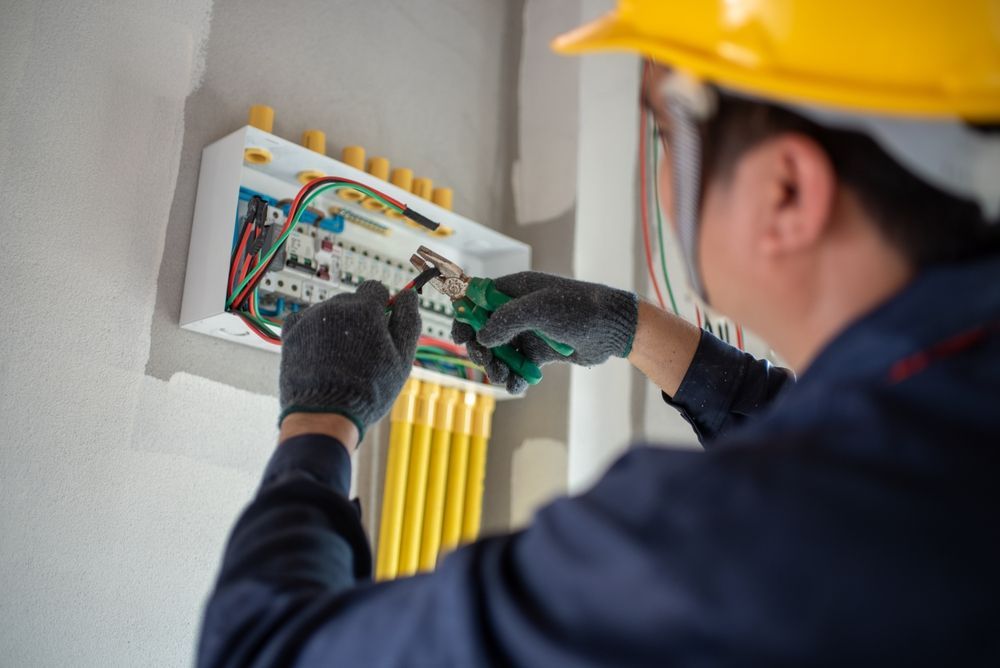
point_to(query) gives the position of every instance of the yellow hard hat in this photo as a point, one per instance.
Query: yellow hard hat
(901, 57)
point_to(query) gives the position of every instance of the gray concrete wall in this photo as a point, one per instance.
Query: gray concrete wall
(128, 447)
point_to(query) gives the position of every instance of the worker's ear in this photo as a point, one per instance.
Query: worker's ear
(799, 194)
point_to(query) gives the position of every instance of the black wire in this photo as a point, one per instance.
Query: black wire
(425, 277)
(253, 284)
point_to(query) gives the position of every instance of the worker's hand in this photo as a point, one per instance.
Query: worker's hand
(346, 356)
(597, 321)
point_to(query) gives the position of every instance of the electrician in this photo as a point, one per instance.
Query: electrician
(834, 173)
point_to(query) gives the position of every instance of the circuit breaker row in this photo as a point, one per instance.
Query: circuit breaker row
(317, 263)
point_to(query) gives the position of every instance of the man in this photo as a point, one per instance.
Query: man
(833, 173)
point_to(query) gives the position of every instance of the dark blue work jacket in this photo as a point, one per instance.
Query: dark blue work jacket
(853, 520)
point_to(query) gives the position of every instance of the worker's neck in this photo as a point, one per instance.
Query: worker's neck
(848, 279)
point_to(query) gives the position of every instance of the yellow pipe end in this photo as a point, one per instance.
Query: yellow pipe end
(402, 177)
(261, 117)
(308, 175)
(405, 407)
(379, 168)
(353, 156)
(256, 155)
(444, 415)
(482, 421)
(427, 399)
(423, 187)
(314, 140)
(350, 194)
(373, 204)
(442, 197)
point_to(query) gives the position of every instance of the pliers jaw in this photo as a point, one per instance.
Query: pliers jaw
(452, 281)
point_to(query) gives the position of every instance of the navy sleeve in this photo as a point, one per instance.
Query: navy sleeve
(294, 591)
(723, 386)
(300, 539)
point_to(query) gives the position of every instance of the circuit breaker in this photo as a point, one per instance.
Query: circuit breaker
(341, 240)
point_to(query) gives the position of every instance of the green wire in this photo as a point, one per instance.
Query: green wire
(659, 219)
(256, 307)
(260, 323)
(449, 360)
(295, 221)
(433, 350)
(441, 367)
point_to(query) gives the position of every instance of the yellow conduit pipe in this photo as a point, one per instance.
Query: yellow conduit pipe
(437, 477)
(394, 494)
(416, 478)
(458, 466)
(482, 420)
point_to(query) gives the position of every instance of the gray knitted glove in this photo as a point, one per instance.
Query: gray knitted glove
(346, 356)
(598, 321)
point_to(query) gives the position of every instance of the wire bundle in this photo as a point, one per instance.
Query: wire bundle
(447, 358)
(644, 197)
(655, 138)
(250, 260)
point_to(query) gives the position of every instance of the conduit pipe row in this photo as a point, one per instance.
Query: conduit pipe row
(433, 495)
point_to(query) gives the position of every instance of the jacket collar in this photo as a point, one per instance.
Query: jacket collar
(940, 303)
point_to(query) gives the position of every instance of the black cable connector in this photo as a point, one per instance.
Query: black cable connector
(421, 219)
(257, 211)
(425, 277)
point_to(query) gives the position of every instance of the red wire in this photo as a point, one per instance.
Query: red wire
(644, 194)
(444, 345)
(253, 328)
(408, 286)
(244, 236)
(291, 214)
(295, 206)
(288, 220)
(338, 179)
(243, 275)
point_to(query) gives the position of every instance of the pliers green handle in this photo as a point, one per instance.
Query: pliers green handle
(474, 301)
(482, 298)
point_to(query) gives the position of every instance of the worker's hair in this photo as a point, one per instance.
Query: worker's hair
(928, 225)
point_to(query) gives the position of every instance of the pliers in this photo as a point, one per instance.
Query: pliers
(474, 300)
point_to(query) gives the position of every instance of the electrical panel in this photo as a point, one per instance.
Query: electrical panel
(341, 240)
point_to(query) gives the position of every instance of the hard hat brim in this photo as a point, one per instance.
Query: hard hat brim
(743, 71)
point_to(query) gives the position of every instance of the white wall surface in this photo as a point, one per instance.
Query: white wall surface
(544, 174)
(108, 545)
(601, 398)
(117, 488)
